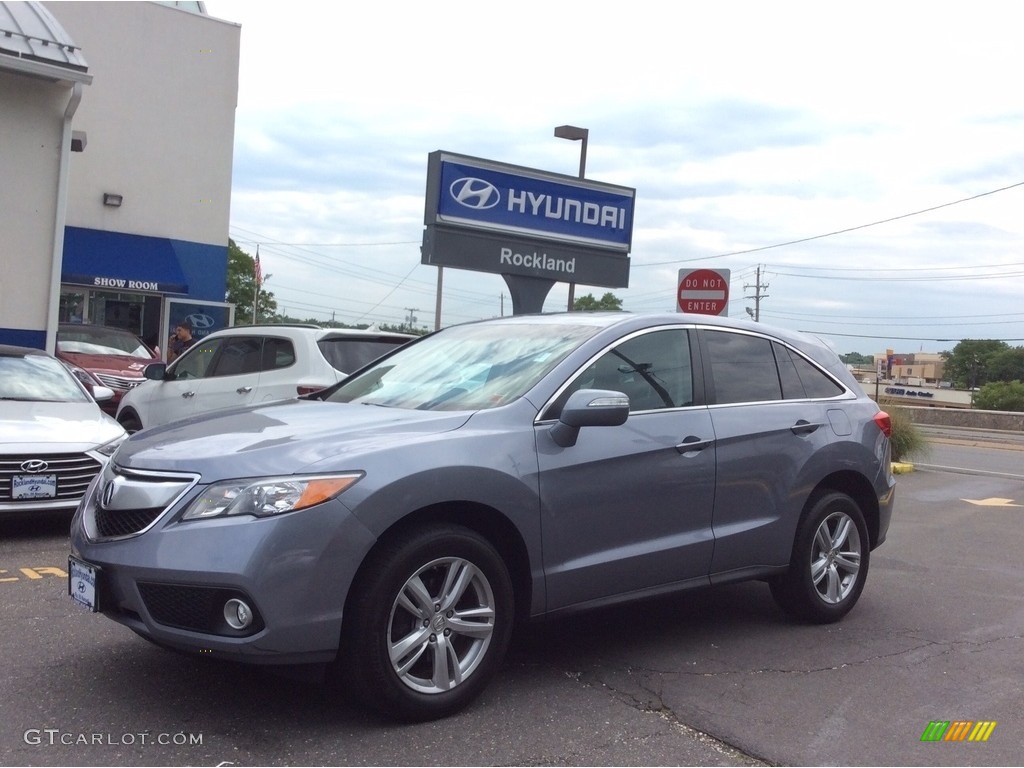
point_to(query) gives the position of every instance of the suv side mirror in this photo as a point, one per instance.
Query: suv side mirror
(102, 394)
(589, 408)
(155, 371)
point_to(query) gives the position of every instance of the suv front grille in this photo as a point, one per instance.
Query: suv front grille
(74, 472)
(126, 502)
(180, 606)
(119, 382)
(111, 523)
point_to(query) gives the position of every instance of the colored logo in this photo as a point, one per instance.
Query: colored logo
(958, 730)
(475, 193)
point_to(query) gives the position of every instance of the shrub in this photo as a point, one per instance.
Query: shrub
(1000, 396)
(906, 440)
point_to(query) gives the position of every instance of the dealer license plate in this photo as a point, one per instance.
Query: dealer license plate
(82, 583)
(34, 487)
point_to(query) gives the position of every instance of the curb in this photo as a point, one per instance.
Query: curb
(901, 468)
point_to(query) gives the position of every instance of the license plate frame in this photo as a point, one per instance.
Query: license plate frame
(28, 487)
(83, 580)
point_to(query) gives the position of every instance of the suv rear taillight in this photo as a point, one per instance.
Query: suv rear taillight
(308, 389)
(884, 423)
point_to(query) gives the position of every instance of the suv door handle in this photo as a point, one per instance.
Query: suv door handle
(693, 443)
(188, 394)
(804, 427)
(244, 390)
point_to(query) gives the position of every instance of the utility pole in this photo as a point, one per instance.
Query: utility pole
(410, 319)
(758, 295)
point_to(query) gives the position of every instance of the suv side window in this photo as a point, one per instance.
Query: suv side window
(800, 379)
(653, 370)
(238, 355)
(195, 362)
(742, 367)
(277, 353)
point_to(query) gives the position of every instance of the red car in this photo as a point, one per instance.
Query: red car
(115, 357)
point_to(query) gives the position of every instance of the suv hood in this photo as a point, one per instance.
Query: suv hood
(278, 438)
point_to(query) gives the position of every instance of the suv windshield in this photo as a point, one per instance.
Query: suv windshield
(469, 367)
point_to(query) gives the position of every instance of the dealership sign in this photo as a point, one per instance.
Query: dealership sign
(522, 222)
(505, 198)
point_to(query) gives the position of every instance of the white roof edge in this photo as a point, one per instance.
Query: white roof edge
(46, 71)
(33, 42)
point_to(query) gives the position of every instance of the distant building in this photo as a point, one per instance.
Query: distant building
(118, 123)
(913, 368)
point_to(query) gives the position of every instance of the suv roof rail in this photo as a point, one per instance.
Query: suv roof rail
(279, 325)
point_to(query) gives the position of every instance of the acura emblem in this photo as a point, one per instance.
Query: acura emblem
(475, 193)
(107, 496)
(34, 465)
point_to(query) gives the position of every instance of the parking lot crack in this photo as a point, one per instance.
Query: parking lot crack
(642, 689)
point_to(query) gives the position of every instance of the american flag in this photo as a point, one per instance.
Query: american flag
(259, 271)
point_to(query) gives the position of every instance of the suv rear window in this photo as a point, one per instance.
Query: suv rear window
(800, 379)
(750, 369)
(348, 355)
(743, 368)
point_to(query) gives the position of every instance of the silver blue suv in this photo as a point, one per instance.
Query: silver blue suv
(397, 525)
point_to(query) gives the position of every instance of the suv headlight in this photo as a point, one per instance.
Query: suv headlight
(267, 496)
(107, 449)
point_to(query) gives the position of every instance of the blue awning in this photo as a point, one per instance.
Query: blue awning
(120, 261)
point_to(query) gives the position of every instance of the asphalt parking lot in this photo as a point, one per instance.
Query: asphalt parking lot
(711, 678)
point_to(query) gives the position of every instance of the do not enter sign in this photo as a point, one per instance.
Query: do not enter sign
(703, 291)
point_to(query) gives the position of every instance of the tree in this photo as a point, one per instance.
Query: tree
(588, 302)
(1006, 365)
(855, 358)
(968, 364)
(242, 285)
(1000, 396)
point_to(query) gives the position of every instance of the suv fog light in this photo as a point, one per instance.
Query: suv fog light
(237, 614)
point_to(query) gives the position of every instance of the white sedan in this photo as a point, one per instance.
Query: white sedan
(54, 439)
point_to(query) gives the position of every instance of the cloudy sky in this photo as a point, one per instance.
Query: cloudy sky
(865, 159)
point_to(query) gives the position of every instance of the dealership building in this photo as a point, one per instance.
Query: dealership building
(118, 129)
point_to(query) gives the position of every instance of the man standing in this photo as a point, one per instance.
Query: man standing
(181, 340)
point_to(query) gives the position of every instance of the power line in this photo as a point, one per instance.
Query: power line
(886, 336)
(906, 269)
(836, 232)
(926, 279)
(330, 245)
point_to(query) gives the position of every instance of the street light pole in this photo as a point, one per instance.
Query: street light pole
(573, 133)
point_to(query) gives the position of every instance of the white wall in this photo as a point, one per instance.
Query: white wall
(31, 119)
(159, 116)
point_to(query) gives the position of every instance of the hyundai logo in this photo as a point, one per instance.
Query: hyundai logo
(475, 193)
(34, 466)
(200, 321)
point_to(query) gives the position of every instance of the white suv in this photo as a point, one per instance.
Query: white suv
(246, 365)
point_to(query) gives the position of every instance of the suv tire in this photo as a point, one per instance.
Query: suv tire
(829, 564)
(428, 623)
(130, 421)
